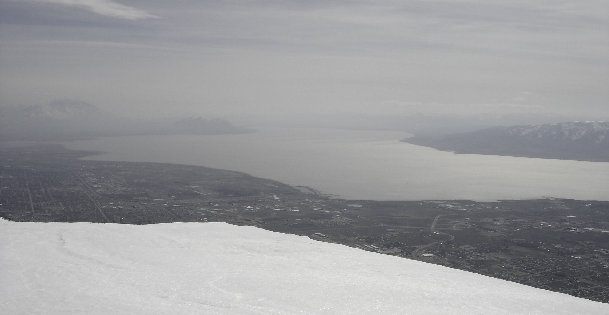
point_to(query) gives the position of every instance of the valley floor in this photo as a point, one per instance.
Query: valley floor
(554, 244)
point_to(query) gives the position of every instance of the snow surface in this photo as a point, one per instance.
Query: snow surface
(217, 268)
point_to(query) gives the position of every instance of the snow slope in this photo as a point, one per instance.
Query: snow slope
(217, 268)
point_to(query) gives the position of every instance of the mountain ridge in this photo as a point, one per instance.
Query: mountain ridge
(577, 140)
(68, 119)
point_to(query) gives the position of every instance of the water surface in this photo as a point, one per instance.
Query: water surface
(365, 165)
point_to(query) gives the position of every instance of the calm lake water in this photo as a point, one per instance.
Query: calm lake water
(365, 165)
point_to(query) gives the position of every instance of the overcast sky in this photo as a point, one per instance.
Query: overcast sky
(295, 56)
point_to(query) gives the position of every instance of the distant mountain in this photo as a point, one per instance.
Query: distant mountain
(65, 109)
(587, 141)
(72, 119)
(57, 120)
(200, 125)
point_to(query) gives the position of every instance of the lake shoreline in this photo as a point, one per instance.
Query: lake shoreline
(369, 165)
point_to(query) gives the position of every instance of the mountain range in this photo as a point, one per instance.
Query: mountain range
(72, 119)
(579, 140)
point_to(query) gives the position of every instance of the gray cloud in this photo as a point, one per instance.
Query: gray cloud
(290, 57)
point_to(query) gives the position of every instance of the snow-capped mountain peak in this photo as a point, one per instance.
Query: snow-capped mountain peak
(572, 131)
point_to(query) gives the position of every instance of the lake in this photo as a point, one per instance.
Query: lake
(364, 165)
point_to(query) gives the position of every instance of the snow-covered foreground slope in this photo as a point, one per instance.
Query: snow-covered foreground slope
(207, 268)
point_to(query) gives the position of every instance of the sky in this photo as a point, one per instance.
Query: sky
(281, 58)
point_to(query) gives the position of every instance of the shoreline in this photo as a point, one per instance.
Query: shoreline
(370, 166)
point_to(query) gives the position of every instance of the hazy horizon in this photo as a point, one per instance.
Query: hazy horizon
(289, 60)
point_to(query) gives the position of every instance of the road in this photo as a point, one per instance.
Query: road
(432, 229)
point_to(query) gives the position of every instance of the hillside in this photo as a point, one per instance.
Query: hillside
(217, 268)
(585, 141)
